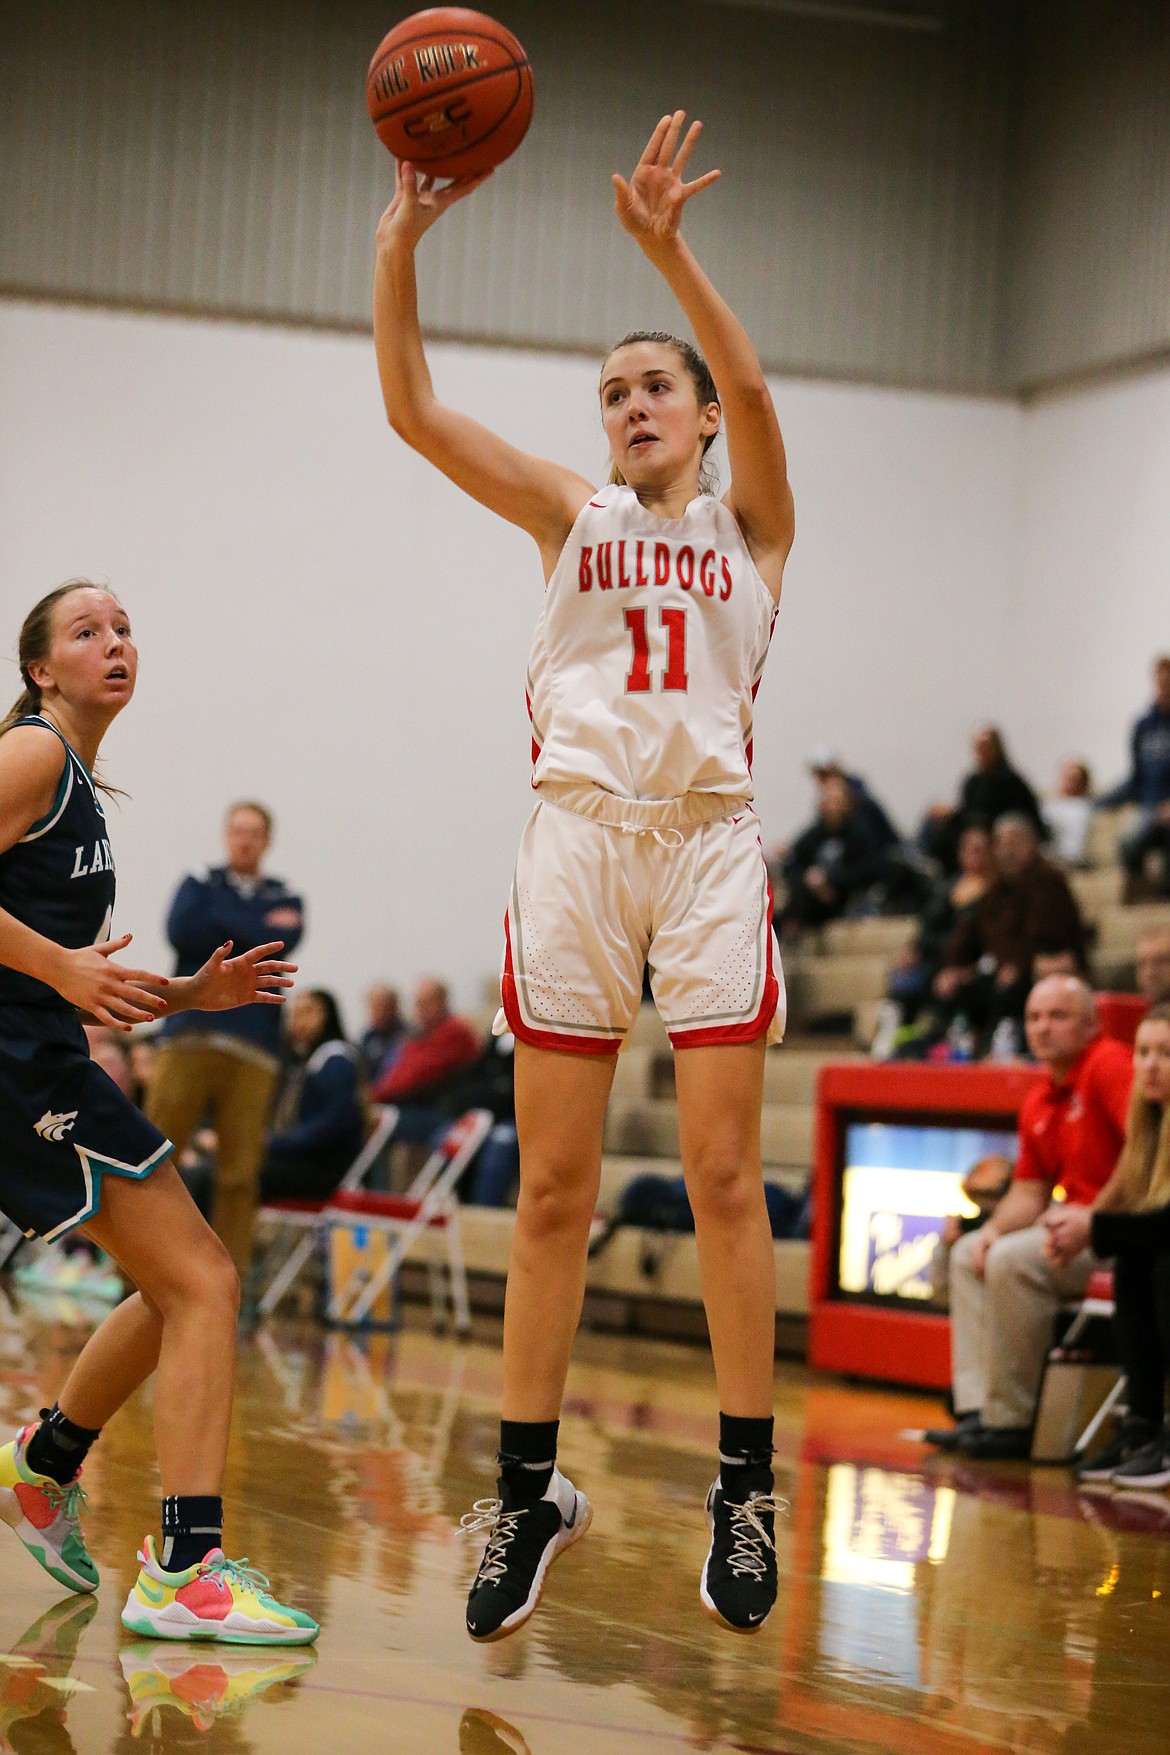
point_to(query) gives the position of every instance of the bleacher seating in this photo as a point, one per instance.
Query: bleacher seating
(835, 979)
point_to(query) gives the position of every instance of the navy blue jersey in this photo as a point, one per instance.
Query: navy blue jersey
(59, 879)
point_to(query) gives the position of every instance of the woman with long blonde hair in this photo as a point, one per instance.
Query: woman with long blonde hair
(1132, 1225)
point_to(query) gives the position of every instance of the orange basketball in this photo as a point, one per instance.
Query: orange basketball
(451, 90)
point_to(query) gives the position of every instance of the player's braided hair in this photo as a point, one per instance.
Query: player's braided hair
(35, 643)
(699, 373)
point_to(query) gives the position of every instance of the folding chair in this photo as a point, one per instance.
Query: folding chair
(430, 1205)
(1071, 1382)
(308, 1216)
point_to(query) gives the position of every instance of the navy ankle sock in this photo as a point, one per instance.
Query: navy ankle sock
(58, 1447)
(745, 1449)
(192, 1525)
(528, 1456)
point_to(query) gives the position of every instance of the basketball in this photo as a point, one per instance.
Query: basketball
(450, 90)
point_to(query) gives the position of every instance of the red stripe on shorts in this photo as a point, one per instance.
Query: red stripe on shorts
(717, 1035)
(565, 1042)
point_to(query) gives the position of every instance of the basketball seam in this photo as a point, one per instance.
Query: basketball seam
(517, 67)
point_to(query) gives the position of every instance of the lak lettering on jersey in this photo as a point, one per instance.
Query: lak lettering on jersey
(84, 864)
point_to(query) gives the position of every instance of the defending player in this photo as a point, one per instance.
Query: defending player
(75, 1153)
(642, 848)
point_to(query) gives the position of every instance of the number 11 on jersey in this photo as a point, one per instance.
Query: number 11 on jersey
(674, 622)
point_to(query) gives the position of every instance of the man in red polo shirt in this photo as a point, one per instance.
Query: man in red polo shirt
(1006, 1285)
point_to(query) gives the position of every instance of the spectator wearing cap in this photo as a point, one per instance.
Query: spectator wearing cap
(1147, 786)
(1029, 910)
(824, 762)
(1005, 1286)
(991, 790)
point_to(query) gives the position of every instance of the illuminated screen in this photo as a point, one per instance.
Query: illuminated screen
(900, 1182)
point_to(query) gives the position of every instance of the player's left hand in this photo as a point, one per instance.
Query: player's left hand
(254, 978)
(650, 205)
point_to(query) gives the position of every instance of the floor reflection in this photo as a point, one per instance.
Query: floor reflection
(925, 1606)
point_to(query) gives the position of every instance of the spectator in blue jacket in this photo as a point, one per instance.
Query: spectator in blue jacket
(226, 1064)
(1148, 786)
(319, 1122)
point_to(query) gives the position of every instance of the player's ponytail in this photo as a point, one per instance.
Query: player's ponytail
(699, 373)
(34, 645)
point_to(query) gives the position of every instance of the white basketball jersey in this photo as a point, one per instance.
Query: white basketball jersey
(648, 653)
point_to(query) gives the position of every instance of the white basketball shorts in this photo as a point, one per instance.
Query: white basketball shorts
(592, 905)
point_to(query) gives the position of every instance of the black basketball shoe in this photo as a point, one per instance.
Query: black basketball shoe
(1103, 1464)
(738, 1586)
(524, 1538)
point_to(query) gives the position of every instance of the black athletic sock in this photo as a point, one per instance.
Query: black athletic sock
(192, 1525)
(528, 1456)
(745, 1454)
(58, 1447)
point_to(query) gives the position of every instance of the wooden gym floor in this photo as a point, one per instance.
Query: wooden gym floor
(925, 1607)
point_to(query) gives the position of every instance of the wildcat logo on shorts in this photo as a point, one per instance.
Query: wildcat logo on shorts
(55, 1127)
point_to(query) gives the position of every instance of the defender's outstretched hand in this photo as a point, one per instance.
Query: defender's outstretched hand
(418, 202)
(650, 205)
(255, 978)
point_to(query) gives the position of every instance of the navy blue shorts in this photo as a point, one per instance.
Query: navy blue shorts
(64, 1124)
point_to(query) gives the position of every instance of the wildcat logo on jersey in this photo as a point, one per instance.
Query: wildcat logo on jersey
(55, 1127)
(101, 860)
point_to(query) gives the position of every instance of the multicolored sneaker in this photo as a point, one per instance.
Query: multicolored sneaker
(35, 1682)
(738, 1586)
(218, 1599)
(205, 1688)
(45, 1516)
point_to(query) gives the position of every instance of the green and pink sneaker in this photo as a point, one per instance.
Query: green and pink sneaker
(45, 1517)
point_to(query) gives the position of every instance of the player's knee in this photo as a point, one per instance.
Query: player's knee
(553, 1199)
(722, 1188)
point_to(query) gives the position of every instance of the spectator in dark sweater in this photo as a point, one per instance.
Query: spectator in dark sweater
(1147, 786)
(1129, 1221)
(835, 859)
(319, 1123)
(226, 1064)
(993, 789)
(953, 901)
(1029, 909)
(385, 1030)
(425, 1067)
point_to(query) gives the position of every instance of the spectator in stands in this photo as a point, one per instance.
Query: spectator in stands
(1153, 966)
(1028, 910)
(1147, 786)
(834, 860)
(993, 789)
(823, 763)
(912, 976)
(319, 1121)
(1130, 1222)
(227, 1063)
(1005, 1288)
(439, 1048)
(1069, 814)
(385, 1030)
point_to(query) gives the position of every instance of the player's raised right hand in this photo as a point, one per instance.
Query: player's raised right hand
(113, 994)
(418, 202)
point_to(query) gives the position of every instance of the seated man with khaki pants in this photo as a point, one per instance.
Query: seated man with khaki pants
(1006, 1283)
(226, 1064)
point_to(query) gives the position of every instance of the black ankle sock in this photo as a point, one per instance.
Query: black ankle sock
(192, 1525)
(528, 1455)
(58, 1447)
(745, 1448)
